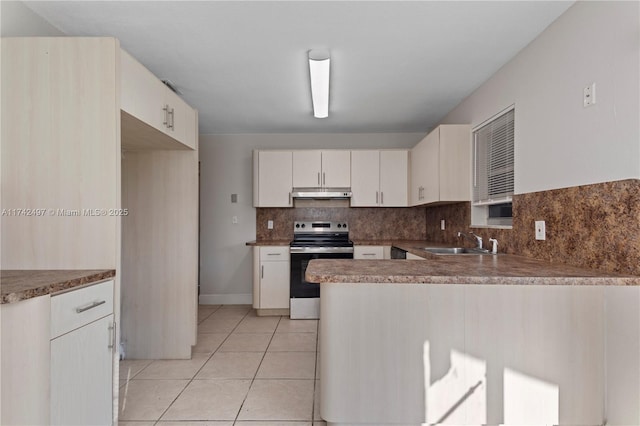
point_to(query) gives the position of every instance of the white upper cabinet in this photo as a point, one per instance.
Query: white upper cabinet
(147, 99)
(327, 169)
(365, 178)
(455, 163)
(272, 178)
(307, 169)
(336, 169)
(441, 166)
(394, 178)
(379, 178)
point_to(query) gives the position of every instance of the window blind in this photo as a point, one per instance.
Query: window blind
(493, 161)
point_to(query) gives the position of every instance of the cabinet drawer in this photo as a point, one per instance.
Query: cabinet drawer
(274, 253)
(368, 252)
(76, 308)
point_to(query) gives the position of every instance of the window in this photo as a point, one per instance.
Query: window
(493, 170)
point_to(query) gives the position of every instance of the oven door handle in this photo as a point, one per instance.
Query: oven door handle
(320, 250)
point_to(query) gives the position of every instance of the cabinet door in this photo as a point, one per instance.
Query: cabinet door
(431, 167)
(274, 285)
(143, 95)
(455, 163)
(307, 169)
(418, 154)
(394, 175)
(336, 169)
(81, 375)
(365, 177)
(274, 179)
(181, 119)
(368, 252)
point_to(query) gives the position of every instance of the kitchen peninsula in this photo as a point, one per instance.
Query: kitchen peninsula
(476, 339)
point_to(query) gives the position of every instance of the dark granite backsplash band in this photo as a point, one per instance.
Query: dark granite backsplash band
(594, 226)
(364, 223)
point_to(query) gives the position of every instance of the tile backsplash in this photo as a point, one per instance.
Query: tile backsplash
(378, 223)
(594, 226)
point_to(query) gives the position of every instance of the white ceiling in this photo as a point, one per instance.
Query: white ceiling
(395, 66)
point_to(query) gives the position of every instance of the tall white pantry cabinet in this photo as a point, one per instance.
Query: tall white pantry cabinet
(67, 146)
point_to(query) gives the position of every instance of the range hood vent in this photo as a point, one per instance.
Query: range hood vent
(321, 193)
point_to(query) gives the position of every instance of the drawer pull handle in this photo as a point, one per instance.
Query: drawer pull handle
(274, 254)
(91, 306)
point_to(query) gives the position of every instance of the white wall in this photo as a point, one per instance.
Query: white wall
(17, 20)
(226, 168)
(558, 142)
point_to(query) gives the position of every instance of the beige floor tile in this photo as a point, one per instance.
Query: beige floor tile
(246, 342)
(231, 365)
(287, 365)
(209, 342)
(209, 400)
(215, 324)
(293, 342)
(278, 400)
(136, 423)
(174, 368)
(230, 313)
(208, 308)
(258, 325)
(247, 308)
(148, 399)
(287, 325)
(130, 367)
(202, 306)
(319, 423)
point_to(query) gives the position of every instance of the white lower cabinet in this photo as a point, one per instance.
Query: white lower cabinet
(271, 277)
(368, 252)
(81, 375)
(82, 351)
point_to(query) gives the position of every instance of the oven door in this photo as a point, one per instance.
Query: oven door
(300, 288)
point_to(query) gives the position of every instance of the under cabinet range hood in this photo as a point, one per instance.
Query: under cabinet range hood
(321, 193)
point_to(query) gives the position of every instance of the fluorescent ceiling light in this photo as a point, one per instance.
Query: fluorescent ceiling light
(319, 71)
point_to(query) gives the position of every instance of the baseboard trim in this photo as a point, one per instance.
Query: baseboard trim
(225, 299)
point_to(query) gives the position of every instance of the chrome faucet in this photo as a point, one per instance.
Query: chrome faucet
(473, 237)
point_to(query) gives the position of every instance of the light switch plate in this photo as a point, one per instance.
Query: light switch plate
(442, 224)
(541, 230)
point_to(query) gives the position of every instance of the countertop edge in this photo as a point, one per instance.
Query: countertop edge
(60, 281)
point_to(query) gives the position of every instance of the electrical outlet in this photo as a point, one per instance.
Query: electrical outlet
(269, 224)
(589, 95)
(234, 220)
(442, 224)
(540, 230)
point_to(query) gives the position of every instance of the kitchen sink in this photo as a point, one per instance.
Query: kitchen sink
(455, 250)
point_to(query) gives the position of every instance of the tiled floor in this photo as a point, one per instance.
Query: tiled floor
(245, 371)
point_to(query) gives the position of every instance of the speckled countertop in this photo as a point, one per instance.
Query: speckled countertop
(17, 285)
(447, 269)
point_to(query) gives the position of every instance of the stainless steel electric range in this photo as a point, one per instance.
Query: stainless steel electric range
(314, 240)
